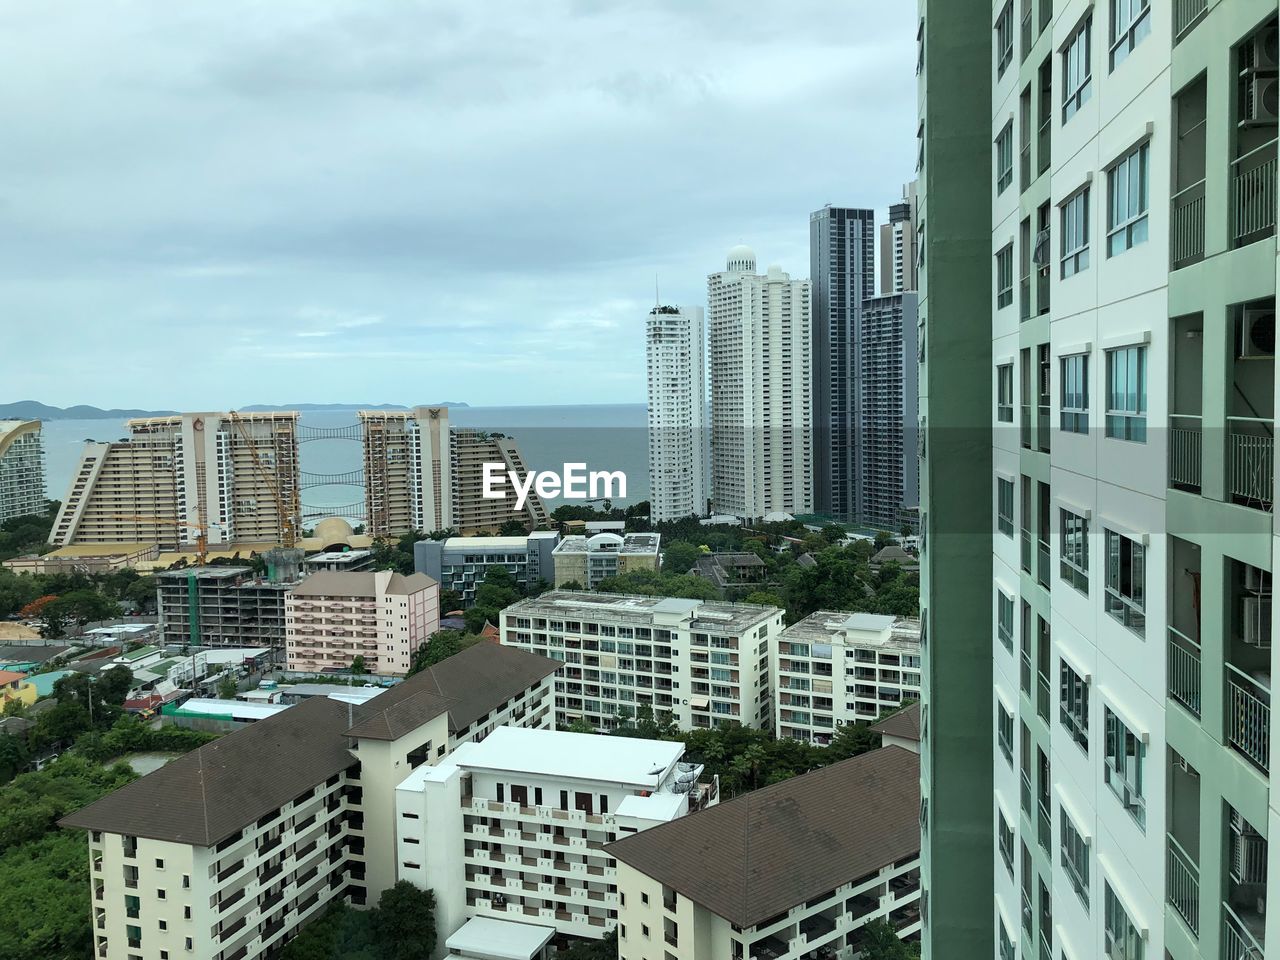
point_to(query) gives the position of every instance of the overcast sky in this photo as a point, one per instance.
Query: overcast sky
(205, 205)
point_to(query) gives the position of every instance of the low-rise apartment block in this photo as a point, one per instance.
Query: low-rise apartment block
(460, 563)
(834, 668)
(21, 469)
(705, 663)
(225, 852)
(221, 607)
(514, 828)
(383, 617)
(790, 871)
(588, 560)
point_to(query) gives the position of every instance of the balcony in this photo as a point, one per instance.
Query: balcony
(1185, 452)
(1025, 425)
(1042, 563)
(1183, 887)
(1044, 830)
(1043, 141)
(1184, 670)
(1042, 426)
(1026, 551)
(1186, 226)
(1251, 461)
(1247, 723)
(1186, 14)
(1238, 940)
(1026, 794)
(1254, 195)
(1042, 696)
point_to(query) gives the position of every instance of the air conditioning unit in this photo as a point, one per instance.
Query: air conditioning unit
(1258, 332)
(1256, 579)
(1248, 852)
(1263, 52)
(1261, 98)
(1187, 768)
(1255, 621)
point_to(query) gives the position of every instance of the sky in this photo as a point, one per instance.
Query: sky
(204, 206)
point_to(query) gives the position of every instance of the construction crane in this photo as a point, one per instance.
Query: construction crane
(202, 530)
(286, 516)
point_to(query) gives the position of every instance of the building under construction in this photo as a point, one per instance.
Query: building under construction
(227, 606)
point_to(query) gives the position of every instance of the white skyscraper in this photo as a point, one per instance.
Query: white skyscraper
(675, 349)
(761, 456)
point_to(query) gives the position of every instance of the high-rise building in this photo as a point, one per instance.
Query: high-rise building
(842, 272)
(472, 511)
(898, 251)
(761, 460)
(229, 477)
(407, 470)
(21, 469)
(675, 351)
(887, 488)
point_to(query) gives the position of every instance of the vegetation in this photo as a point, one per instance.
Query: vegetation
(30, 534)
(660, 583)
(401, 927)
(880, 942)
(606, 948)
(440, 646)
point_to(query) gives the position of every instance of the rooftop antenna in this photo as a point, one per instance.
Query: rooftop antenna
(657, 301)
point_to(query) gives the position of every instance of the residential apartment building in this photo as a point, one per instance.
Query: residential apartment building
(21, 469)
(514, 828)
(706, 664)
(888, 483)
(898, 253)
(785, 872)
(382, 617)
(211, 857)
(588, 560)
(842, 273)
(472, 511)
(221, 607)
(460, 563)
(676, 359)
(408, 473)
(834, 668)
(761, 421)
(226, 477)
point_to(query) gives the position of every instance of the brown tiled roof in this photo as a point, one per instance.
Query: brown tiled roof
(905, 724)
(208, 794)
(359, 583)
(467, 685)
(752, 857)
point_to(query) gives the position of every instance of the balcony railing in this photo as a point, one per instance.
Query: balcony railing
(1043, 565)
(1186, 226)
(1254, 194)
(1042, 291)
(1248, 716)
(1185, 451)
(1026, 550)
(1184, 885)
(1024, 297)
(1042, 697)
(1044, 831)
(1186, 14)
(1251, 461)
(1026, 29)
(1026, 794)
(1042, 425)
(1043, 139)
(1025, 673)
(1237, 942)
(1184, 670)
(1024, 166)
(1025, 425)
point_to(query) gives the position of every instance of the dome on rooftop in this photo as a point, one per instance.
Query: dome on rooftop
(741, 259)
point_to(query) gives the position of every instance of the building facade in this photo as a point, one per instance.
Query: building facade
(675, 354)
(842, 273)
(588, 560)
(514, 828)
(898, 254)
(460, 563)
(706, 664)
(221, 607)
(472, 511)
(833, 669)
(382, 617)
(761, 421)
(21, 469)
(887, 488)
(223, 477)
(408, 473)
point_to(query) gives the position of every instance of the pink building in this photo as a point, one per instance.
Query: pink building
(332, 617)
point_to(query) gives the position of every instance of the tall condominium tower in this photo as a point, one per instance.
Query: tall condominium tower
(898, 252)
(888, 482)
(842, 271)
(232, 477)
(675, 350)
(474, 513)
(407, 470)
(21, 469)
(760, 389)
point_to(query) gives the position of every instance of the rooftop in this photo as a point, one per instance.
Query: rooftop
(499, 939)
(358, 583)
(714, 615)
(753, 857)
(11, 677)
(904, 724)
(632, 543)
(100, 550)
(486, 543)
(576, 756)
(861, 629)
(34, 654)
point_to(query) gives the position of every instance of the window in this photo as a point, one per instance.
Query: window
(1004, 158)
(1122, 769)
(1074, 393)
(1127, 201)
(1130, 22)
(1006, 842)
(1004, 731)
(1074, 566)
(1127, 394)
(1077, 70)
(1004, 277)
(1004, 393)
(1125, 597)
(1121, 938)
(1075, 858)
(1074, 713)
(1004, 38)
(1075, 234)
(1004, 619)
(1004, 506)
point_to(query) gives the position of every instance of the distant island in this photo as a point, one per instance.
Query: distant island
(34, 410)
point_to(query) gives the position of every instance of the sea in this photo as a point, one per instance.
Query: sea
(603, 436)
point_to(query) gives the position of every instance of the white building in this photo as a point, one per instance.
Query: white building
(514, 828)
(21, 469)
(588, 560)
(791, 871)
(835, 668)
(761, 458)
(675, 351)
(460, 563)
(706, 664)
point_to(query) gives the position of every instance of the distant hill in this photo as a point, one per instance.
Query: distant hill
(34, 410)
(269, 407)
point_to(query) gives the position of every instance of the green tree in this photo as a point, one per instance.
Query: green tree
(228, 687)
(440, 646)
(404, 924)
(679, 557)
(142, 592)
(883, 539)
(86, 605)
(833, 533)
(513, 528)
(880, 942)
(853, 739)
(605, 948)
(571, 585)
(340, 933)
(357, 664)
